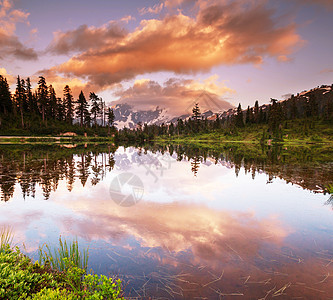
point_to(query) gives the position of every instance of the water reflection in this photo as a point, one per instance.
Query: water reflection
(310, 168)
(204, 228)
(46, 165)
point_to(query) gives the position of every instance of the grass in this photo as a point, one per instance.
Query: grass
(330, 188)
(6, 238)
(66, 253)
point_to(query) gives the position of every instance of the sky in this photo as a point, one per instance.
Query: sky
(166, 53)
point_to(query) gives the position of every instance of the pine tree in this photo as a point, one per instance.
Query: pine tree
(196, 112)
(196, 116)
(52, 107)
(95, 107)
(256, 112)
(68, 105)
(239, 116)
(60, 109)
(110, 116)
(31, 103)
(293, 109)
(19, 98)
(42, 96)
(248, 115)
(6, 105)
(81, 109)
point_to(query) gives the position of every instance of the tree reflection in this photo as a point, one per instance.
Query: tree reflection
(32, 165)
(46, 165)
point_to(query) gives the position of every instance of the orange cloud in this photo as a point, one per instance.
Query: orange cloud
(9, 43)
(176, 94)
(210, 234)
(59, 82)
(10, 79)
(219, 34)
(85, 37)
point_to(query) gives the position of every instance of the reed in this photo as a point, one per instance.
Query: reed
(64, 256)
(6, 238)
(329, 188)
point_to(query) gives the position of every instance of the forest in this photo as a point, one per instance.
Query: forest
(42, 112)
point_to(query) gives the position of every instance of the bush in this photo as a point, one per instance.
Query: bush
(19, 277)
(65, 278)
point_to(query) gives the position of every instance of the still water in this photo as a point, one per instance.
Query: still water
(177, 222)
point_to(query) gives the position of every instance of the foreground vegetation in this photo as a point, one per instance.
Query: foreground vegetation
(59, 274)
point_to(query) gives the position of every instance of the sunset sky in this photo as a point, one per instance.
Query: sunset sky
(152, 53)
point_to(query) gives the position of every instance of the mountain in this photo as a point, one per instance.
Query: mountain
(319, 98)
(127, 115)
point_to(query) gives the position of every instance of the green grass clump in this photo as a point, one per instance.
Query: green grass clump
(6, 238)
(330, 188)
(64, 254)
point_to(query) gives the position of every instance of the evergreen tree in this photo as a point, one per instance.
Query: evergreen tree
(196, 112)
(60, 109)
(42, 96)
(248, 115)
(256, 112)
(81, 109)
(275, 116)
(102, 111)
(95, 107)
(68, 105)
(293, 109)
(110, 116)
(52, 107)
(31, 101)
(239, 117)
(19, 98)
(196, 116)
(6, 105)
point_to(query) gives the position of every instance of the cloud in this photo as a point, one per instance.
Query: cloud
(9, 43)
(10, 79)
(211, 235)
(156, 9)
(59, 82)
(326, 71)
(86, 38)
(219, 34)
(11, 46)
(178, 95)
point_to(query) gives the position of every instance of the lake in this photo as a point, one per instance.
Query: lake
(179, 221)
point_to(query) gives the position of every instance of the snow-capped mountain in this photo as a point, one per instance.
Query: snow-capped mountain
(127, 115)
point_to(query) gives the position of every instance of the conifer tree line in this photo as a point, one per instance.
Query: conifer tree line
(316, 104)
(28, 109)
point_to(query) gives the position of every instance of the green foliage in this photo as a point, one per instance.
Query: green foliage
(102, 287)
(19, 277)
(61, 276)
(53, 294)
